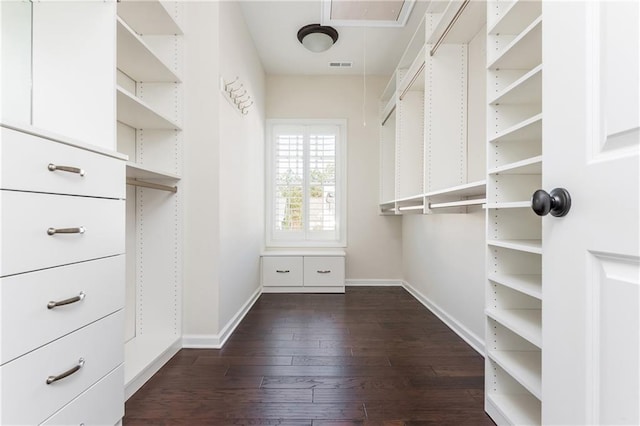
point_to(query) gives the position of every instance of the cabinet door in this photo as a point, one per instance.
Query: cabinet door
(74, 70)
(282, 271)
(324, 271)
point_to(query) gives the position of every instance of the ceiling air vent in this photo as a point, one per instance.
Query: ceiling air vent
(343, 64)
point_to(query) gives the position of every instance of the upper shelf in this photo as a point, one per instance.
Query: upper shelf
(460, 22)
(524, 51)
(149, 17)
(137, 114)
(138, 171)
(516, 17)
(526, 90)
(478, 188)
(137, 60)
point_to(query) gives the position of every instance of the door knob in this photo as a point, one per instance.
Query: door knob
(558, 202)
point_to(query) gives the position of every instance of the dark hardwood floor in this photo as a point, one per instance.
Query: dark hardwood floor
(372, 356)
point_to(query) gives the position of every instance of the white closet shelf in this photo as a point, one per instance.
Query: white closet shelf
(149, 17)
(524, 366)
(138, 171)
(389, 91)
(527, 323)
(137, 60)
(467, 190)
(414, 77)
(529, 284)
(516, 17)
(529, 246)
(519, 409)
(529, 129)
(528, 166)
(415, 45)
(525, 90)
(468, 24)
(523, 52)
(509, 205)
(137, 114)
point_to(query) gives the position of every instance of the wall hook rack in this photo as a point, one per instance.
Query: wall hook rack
(236, 94)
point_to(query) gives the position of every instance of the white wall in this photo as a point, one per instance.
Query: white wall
(374, 246)
(200, 177)
(223, 171)
(444, 254)
(241, 167)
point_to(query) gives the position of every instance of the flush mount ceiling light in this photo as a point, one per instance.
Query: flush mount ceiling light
(317, 38)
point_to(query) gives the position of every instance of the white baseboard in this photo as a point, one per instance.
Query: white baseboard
(474, 341)
(373, 283)
(216, 341)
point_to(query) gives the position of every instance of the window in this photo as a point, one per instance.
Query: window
(306, 183)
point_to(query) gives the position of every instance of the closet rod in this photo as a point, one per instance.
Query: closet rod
(144, 184)
(413, 80)
(449, 27)
(388, 115)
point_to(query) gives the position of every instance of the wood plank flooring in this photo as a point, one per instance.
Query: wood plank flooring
(373, 356)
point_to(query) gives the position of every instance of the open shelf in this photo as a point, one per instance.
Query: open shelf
(138, 171)
(524, 366)
(471, 189)
(519, 409)
(517, 17)
(464, 29)
(527, 323)
(523, 52)
(137, 114)
(529, 129)
(137, 60)
(414, 77)
(148, 17)
(388, 208)
(529, 246)
(525, 90)
(415, 45)
(529, 284)
(529, 166)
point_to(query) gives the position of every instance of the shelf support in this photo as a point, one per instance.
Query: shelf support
(135, 182)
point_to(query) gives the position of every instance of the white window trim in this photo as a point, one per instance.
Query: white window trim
(341, 184)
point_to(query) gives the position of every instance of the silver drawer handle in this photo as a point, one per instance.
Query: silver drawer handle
(67, 373)
(54, 231)
(282, 272)
(52, 168)
(78, 298)
(324, 272)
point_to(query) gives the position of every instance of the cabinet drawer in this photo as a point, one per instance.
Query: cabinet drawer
(26, 396)
(26, 321)
(324, 271)
(101, 404)
(25, 163)
(282, 271)
(25, 218)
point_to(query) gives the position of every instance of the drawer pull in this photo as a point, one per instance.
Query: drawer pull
(282, 272)
(52, 168)
(327, 271)
(67, 373)
(54, 231)
(69, 301)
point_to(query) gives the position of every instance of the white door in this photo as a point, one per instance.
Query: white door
(591, 293)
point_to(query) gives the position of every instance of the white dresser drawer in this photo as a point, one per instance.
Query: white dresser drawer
(282, 271)
(26, 396)
(323, 271)
(101, 404)
(25, 319)
(25, 163)
(25, 218)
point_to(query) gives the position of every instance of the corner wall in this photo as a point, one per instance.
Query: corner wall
(374, 246)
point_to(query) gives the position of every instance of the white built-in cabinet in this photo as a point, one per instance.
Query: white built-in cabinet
(309, 271)
(149, 117)
(514, 166)
(432, 156)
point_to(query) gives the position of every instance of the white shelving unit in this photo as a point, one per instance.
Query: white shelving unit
(149, 103)
(514, 295)
(427, 111)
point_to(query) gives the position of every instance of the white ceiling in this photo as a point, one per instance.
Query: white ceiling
(274, 24)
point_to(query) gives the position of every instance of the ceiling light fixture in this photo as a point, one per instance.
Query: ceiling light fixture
(317, 38)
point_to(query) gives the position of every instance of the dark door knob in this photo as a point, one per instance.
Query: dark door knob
(558, 202)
